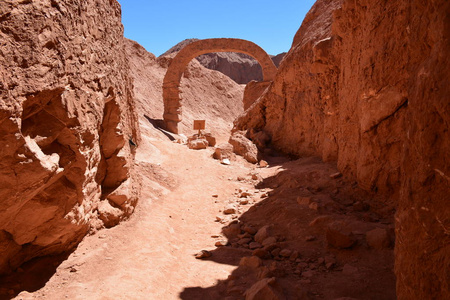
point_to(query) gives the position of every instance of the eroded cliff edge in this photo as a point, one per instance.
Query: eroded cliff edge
(365, 84)
(67, 125)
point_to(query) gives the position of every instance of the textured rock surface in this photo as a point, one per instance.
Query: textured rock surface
(171, 84)
(366, 84)
(240, 67)
(207, 95)
(66, 118)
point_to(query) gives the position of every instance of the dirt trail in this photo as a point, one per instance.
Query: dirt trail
(151, 255)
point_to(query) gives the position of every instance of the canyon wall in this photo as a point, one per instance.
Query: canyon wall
(365, 84)
(68, 129)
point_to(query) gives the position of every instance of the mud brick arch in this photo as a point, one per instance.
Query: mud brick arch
(172, 79)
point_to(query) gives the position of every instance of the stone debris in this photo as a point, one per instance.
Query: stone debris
(262, 234)
(378, 238)
(229, 209)
(221, 243)
(335, 175)
(244, 147)
(225, 161)
(268, 241)
(339, 236)
(285, 253)
(265, 289)
(250, 261)
(203, 254)
(263, 164)
(303, 200)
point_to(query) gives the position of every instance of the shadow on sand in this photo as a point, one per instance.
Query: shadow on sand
(312, 270)
(31, 276)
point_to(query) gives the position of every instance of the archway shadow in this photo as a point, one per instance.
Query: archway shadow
(290, 224)
(31, 276)
(159, 125)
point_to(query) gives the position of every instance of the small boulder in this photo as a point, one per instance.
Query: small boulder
(229, 209)
(378, 238)
(269, 240)
(262, 234)
(250, 261)
(263, 164)
(197, 144)
(265, 289)
(203, 254)
(244, 147)
(109, 215)
(232, 231)
(339, 236)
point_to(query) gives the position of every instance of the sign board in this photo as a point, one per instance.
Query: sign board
(199, 124)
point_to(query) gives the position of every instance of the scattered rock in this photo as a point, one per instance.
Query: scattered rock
(221, 243)
(249, 229)
(244, 147)
(335, 175)
(263, 164)
(250, 261)
(108, 214)
(203, 254)
(240, 178)
(255, 176)
(294, 256)
(232, 231)
(229, 209)
(261, 253)
(215, 196)
(223, 151)
(262, 234)
(378, 238)
(244, 241)
(275, 252)
(197, 144)
(339, 236)
(303, 200)
(310, 238)
(285, 253)
(254, 245)
(225, 161)
(269, 240)
(265, 289)
(243, 201)
(308, 274)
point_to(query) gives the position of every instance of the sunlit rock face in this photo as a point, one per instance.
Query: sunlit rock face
(365, 84)
(67, 125)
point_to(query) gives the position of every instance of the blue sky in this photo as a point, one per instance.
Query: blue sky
(160, 24)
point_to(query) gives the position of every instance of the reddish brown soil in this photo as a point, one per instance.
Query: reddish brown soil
(151, 256)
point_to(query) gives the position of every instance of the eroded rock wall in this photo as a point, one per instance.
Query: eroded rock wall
(366, 84)
(66, 122)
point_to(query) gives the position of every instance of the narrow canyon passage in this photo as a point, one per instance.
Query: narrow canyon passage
(151, 256)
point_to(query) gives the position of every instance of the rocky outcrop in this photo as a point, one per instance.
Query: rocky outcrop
(206, 94)
(366, 84)
(67, 125)
(240, 67)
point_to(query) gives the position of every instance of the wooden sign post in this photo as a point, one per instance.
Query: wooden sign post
(199, 125)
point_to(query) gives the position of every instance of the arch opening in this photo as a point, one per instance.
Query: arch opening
(171, 84)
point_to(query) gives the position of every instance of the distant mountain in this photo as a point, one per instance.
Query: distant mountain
(240, 67)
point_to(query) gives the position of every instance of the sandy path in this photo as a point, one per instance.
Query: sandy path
(151, 255)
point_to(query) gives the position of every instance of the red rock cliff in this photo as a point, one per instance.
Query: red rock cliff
(366, 84)
(67, 125)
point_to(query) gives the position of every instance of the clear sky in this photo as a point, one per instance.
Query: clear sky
(160, 24)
